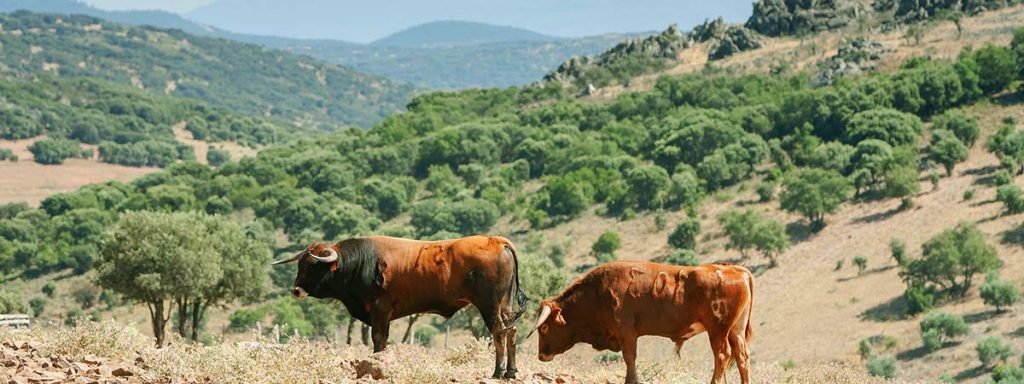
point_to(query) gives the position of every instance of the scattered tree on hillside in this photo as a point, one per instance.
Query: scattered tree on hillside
(814, 193)
(1010, 196)
(997, 67)
(684, 236)
(938, 327)
(946, 149)
(965, 127)
(999, 293)
(993, 349)
(217, 156)
(950, 260)
(748, 230)
(605, 246)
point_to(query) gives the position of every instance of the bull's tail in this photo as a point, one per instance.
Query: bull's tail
(749, 334)
(515, 291)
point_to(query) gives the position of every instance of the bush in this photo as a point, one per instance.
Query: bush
(607, 243)
(998, 293)
(243, 320)
(937, 327)
(1007, 374)
(997, 68)
(950, 261)
(56, 150)
(683, 257)
(1010, 196)
(947, 149)
(424, 336)
(815, 193)
(765, 192)
(865, 348)
(685, 234)
(862, 263)
(49, 289)
(217, 156)
(964, 127)
(899, 251)
(7, 154)
(919, 299)
(882, 366)
(38, 304)
(1002, 178)
(993, 349)
(969, 194)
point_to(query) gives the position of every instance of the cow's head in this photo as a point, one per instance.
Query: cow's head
(316, 263)
(553, 335)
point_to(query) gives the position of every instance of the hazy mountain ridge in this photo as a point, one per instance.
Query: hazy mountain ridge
(458, 33)
(240, 77)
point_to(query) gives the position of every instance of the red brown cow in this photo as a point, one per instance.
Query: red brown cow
(380, 279)
(618, 302)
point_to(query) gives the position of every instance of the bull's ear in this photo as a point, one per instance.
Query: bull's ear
(557, 314)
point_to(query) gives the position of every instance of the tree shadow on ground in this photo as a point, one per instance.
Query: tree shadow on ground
(921, 351)
(990, 218)
(799, 231)
(1014, 236)
(892, 310)
(985, 170)
(981, 316)
(866, 273)
(970, 373)
(1018, 333)
(878, 216)
(986, 181)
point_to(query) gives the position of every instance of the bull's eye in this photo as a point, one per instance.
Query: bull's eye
(543, 328)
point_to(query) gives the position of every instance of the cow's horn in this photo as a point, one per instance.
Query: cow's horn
(289, 260)
(332, 256)
(545, 311)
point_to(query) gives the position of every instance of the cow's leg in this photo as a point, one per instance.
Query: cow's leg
(740, 355)
(510, 342)
(629, 356)
(720, 350)
(493, 323)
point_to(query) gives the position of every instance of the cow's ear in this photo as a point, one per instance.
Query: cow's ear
(557, 314)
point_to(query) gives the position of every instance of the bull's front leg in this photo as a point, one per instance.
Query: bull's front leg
(629, 356)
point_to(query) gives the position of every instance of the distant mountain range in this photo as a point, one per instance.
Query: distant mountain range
(439, 55)
(458, 33)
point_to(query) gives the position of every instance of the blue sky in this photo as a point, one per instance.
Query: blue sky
(368, 20)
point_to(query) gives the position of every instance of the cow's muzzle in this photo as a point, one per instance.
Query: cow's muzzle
(299, 293)
(545, 358)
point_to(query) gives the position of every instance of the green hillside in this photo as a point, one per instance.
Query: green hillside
(239, 77)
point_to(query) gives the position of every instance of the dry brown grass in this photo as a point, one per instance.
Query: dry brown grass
(300, 361)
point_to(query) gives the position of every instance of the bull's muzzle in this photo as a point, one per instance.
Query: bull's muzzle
(299, 293)
(545, 358)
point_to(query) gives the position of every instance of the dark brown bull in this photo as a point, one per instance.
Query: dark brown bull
(380, 279)
(618, 302)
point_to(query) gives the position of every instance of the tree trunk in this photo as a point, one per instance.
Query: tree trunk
(197, 314)
(182, 305)
(156, 315)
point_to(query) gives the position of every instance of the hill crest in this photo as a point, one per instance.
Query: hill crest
(458, 33)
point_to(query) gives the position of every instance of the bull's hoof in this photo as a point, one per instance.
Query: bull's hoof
(496, 375)
(510, 374)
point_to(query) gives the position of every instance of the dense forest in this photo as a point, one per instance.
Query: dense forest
(131, 126)
(239, 77)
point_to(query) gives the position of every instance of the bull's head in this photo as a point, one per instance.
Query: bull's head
(316, 263)
(553, 336)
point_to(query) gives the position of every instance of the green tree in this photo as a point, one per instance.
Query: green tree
(606, 245)
(882, 366)
(861, 262)
(946, 149)
(56, 150)
(683, 257)
(1010, 196)
(749, 230)
(684, 236)
(347, 220)
(993, 349)
(889, 125)
(188, 259)
(647, 186)
(938, 327)
(217, 156)
(965, 127)
(814, 193)
(11, 302)
(997, 67)
(999, 293)
(950, 261)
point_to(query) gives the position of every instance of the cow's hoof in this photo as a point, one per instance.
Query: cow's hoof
(510, 374)
(496, 375)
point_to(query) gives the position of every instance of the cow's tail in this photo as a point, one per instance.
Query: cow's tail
(749, 334)
(515, 291)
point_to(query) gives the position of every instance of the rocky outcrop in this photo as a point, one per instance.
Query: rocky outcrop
(794, 17)
(727, 40)
(918, 10)
(855, 57)
(665, 45)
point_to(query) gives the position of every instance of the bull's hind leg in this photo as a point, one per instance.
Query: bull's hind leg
(720, 350)
(510, 343)
(740, 355)
(490, 316)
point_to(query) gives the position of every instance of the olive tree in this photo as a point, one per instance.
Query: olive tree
(999, 293)
(748, 230)
(814, 193)
(191, 260)
(947, 149)
(964, 126)
(950, 260)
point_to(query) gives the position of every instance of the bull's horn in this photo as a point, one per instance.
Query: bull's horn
(545, 311)
(332, 256)
(289, 260)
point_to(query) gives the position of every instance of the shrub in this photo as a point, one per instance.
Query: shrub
(1002, 178)
(1010, 196)
(56, 150)
(766, 191)
(937, 327)
(49, 289)
(243, 320)
(862, 263)
(950, 261)
(747, 229)
(685, 234)
(993, 349)
(919, 299)
(997, 67)
(1007, 374)
(218, 156)
(963, 126)
(898, 248)
(882, 366)
(683, 257)
(424, 336)
(998, 293)
(969, 194)
(608, 242)
(659, 221)
(7, 154)
(865, 348)
(38, 304)
(556, 254)
(814, 193)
